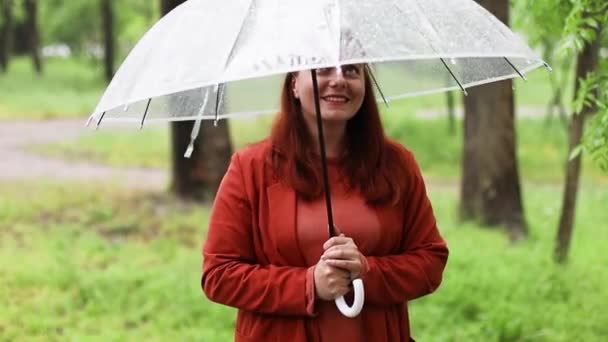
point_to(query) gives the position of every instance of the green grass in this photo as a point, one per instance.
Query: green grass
(494, 291)
(67, 89)
(82, 262)
(96, 264)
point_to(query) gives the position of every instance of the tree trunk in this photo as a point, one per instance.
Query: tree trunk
(587, 62)
(167, 5)
(107, 14)
(199, 176)
(451, 113)
(6, 33)
(33, 36)
(490, 188)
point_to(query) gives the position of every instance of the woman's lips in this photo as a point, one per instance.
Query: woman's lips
(335, 99)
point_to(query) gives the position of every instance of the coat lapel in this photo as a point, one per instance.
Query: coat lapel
(282, 227)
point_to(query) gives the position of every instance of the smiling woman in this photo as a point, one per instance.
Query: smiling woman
(267, 251)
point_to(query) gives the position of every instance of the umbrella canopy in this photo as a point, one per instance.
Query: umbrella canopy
(202, 60)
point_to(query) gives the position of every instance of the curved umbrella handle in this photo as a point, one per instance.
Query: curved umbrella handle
(352, 311)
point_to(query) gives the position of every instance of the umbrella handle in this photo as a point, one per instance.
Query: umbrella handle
(352, 311)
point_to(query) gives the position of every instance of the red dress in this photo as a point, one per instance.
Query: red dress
(263, 242)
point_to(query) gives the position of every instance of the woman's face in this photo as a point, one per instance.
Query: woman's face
(341, 92)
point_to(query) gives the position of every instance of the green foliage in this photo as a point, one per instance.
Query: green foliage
(582, 24)
(92, 262)
(75, 23)
(593, 93)
(541, 20)
(596, 139)
(587, 19)
(78, 23)
(575, 23)
(68, 88)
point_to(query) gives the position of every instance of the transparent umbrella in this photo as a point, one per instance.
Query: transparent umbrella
(205, 59)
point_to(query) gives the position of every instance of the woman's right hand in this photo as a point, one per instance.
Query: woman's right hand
(331, 282)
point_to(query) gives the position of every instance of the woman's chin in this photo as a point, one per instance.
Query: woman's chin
(336, 116)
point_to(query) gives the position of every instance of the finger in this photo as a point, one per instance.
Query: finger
(337, 240)
(339, 273)
(351, 266)
(341, 291)
(341, 252)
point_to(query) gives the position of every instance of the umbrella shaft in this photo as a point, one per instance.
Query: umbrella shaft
(330, 217)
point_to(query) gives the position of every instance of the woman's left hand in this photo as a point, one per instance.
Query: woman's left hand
(342, 252)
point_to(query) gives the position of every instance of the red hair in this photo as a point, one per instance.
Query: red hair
(373, 164)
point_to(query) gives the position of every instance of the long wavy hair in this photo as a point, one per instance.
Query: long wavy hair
(372, 163)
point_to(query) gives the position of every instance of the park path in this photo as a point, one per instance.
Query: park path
(19, 164)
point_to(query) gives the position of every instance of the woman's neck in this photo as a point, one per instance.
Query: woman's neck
(334, 134)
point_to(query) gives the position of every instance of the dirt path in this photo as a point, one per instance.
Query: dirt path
(16, 163)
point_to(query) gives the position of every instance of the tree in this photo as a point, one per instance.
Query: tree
(577, 25)
(107, 14)
(490, 188)
(33, 36)
(583, 32)
(6, 32)
(199, 176)
(543, 21)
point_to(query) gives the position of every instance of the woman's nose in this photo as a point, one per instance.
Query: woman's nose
(336, 77)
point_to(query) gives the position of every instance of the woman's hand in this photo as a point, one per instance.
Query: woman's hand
(331, 282)
(342, 252)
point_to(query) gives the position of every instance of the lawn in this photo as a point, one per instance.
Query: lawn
(68, 88)
(87, 262)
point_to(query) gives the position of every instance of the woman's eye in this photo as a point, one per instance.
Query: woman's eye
(350, 70)
(324, 71)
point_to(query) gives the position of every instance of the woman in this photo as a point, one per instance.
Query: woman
(267, 251)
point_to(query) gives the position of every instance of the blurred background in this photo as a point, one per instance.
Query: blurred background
(101, 230)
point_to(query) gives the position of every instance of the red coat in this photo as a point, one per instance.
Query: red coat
(252, 260)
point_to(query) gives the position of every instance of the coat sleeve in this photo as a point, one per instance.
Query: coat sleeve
(232, 274)
(418, 269)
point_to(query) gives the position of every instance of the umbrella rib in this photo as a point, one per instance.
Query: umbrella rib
(514, 68)
(371, 74)
(219, 96)
(238, 35)
(99, 121)
(454, 76)
(143, 118)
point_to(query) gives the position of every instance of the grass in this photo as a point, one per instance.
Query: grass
(494, 291)
(67, 89)
(96, 263)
